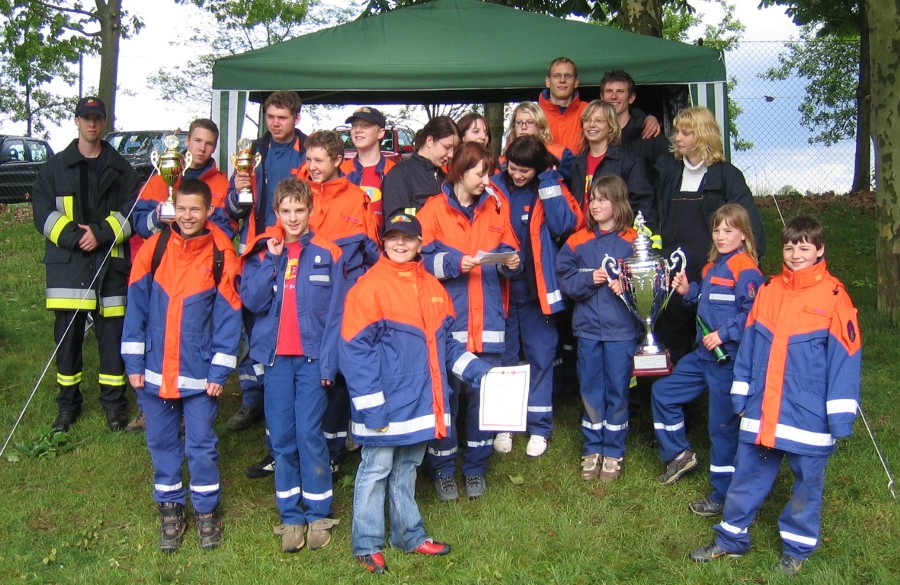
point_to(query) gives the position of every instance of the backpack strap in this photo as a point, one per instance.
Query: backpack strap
(218, 264)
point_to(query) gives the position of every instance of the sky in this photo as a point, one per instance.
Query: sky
(168, 25)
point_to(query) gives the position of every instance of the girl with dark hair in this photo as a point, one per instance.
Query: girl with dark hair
(466, 217)
(543, 210)
(475, 128)
(412, 181)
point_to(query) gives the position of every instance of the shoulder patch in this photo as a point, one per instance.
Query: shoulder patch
(851, 331)
(751, 290)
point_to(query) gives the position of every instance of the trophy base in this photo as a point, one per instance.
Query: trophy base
(167, 212)
(245, 198)
(652, 364)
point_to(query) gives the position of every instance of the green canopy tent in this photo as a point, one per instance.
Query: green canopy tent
(454, 51)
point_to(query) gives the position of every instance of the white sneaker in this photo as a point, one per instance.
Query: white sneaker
(536, 447)
(503, 442)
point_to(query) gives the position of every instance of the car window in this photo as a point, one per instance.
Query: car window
(39, 151)
(387, 143)
(15, 149)
(406, 138)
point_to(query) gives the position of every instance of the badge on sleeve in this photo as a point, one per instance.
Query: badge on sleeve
(751, 290)
(851, 331)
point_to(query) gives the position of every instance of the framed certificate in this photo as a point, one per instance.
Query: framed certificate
(504, 399)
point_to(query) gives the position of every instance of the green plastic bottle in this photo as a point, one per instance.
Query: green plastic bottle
(719, 352)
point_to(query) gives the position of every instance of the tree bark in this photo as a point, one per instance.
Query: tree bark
(862, 164)
(109, 15)
(642, 17)
(494, 115)
(884, 37)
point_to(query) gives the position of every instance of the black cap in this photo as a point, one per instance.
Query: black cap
(369, 115)
(403, 223)
(90, 105)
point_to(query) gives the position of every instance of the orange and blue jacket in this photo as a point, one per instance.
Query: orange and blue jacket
(541, 217)
(797, 372)
(353, 170)
(598, 314)
(396, 351)
(480, 296)
(342, 215)
(564, 123)
(181, 330)
(321, 290)
(146, 219)
(724, 299)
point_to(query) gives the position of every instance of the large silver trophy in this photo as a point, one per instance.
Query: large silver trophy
(170, 165)
(646, 281)
(245, 161)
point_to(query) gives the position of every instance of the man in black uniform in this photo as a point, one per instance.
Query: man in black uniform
(82, 199)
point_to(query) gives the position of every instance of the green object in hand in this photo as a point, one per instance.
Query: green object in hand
(721, 356)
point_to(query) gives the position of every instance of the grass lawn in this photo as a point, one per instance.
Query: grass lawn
(87, 516)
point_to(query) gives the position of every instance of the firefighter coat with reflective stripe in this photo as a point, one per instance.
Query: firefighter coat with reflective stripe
(321, 290)
(67, 193)
(480, 296)
(552, 215)
(396, 350)
(796, 377)
(724, 299)
(181, 331)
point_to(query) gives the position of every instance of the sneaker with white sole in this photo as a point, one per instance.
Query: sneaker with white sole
(590, 467)
(537, 446)
(503, 442)
(685, 462)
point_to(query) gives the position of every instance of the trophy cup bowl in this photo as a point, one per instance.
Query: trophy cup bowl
(170, 165)
(245, 161)
(646, 283)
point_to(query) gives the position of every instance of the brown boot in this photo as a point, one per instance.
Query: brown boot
(319, 534)
(293, 537)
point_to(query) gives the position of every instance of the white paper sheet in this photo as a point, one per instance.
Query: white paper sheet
(504, 399)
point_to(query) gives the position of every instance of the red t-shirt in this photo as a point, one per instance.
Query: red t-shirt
(289, 328)
(592, 163)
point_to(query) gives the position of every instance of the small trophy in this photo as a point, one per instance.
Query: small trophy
(646, 282)
(244, 160)
(170, 165)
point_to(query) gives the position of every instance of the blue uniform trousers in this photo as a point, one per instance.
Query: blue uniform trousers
(337, 419)
(527, 325)
(295, 403)
(251, 374)
(604, 373)
(692, 376)
(167, 451)
(756, 468)
(442, 453)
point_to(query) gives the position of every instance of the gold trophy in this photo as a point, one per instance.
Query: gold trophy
(170, 165)
(245, 161)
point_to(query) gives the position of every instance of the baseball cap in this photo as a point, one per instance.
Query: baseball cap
(369, 115)
(90, 105)
(403, 223)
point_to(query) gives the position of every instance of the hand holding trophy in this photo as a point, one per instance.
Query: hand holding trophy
(245, 161)
(170, 165)
(646, 280)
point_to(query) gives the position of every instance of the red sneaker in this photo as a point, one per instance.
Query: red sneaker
(374, 563)
(432, 547)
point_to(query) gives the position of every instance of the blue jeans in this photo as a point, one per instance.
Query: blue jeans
(393, 468)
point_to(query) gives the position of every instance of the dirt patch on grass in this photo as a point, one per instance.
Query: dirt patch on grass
(860, 202)
(15, 214)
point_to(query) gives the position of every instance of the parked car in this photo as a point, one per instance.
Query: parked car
(136, 146)
(20, 159)
(398, 142)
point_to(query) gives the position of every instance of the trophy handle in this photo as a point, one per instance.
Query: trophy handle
(671, 263)
(188, 159)
(258, 161)
(154, 160)
(612, 266)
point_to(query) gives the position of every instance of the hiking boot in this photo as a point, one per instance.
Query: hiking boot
(432, 547)
(172, 529)
(590, 466)
(706, 507)
(682, 464)
(138, 424)
(445, 488)
(319, 533)
(374, 563)
(244, 417)
(116, 419)
(704, 554)
(65, 419)
(209, 529)
(475, 486)
(503, 442)
(293, 536)
(537, 446)
(263, 468)
(789, 565)
(612, 468)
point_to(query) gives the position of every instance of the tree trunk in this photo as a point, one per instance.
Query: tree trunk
(884, 36)
(109, 15)
(642, 17)
(494, 115)
(862, 164)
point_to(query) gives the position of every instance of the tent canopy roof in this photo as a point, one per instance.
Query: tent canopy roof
(456, 51)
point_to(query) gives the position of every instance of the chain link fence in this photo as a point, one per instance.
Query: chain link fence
(781, 159)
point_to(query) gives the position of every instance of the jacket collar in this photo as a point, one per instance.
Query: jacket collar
(802, 279)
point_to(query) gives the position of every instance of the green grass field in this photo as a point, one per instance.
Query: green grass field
(87, 516)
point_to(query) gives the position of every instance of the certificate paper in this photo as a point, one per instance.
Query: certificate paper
(493, 257)
(504, 399)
